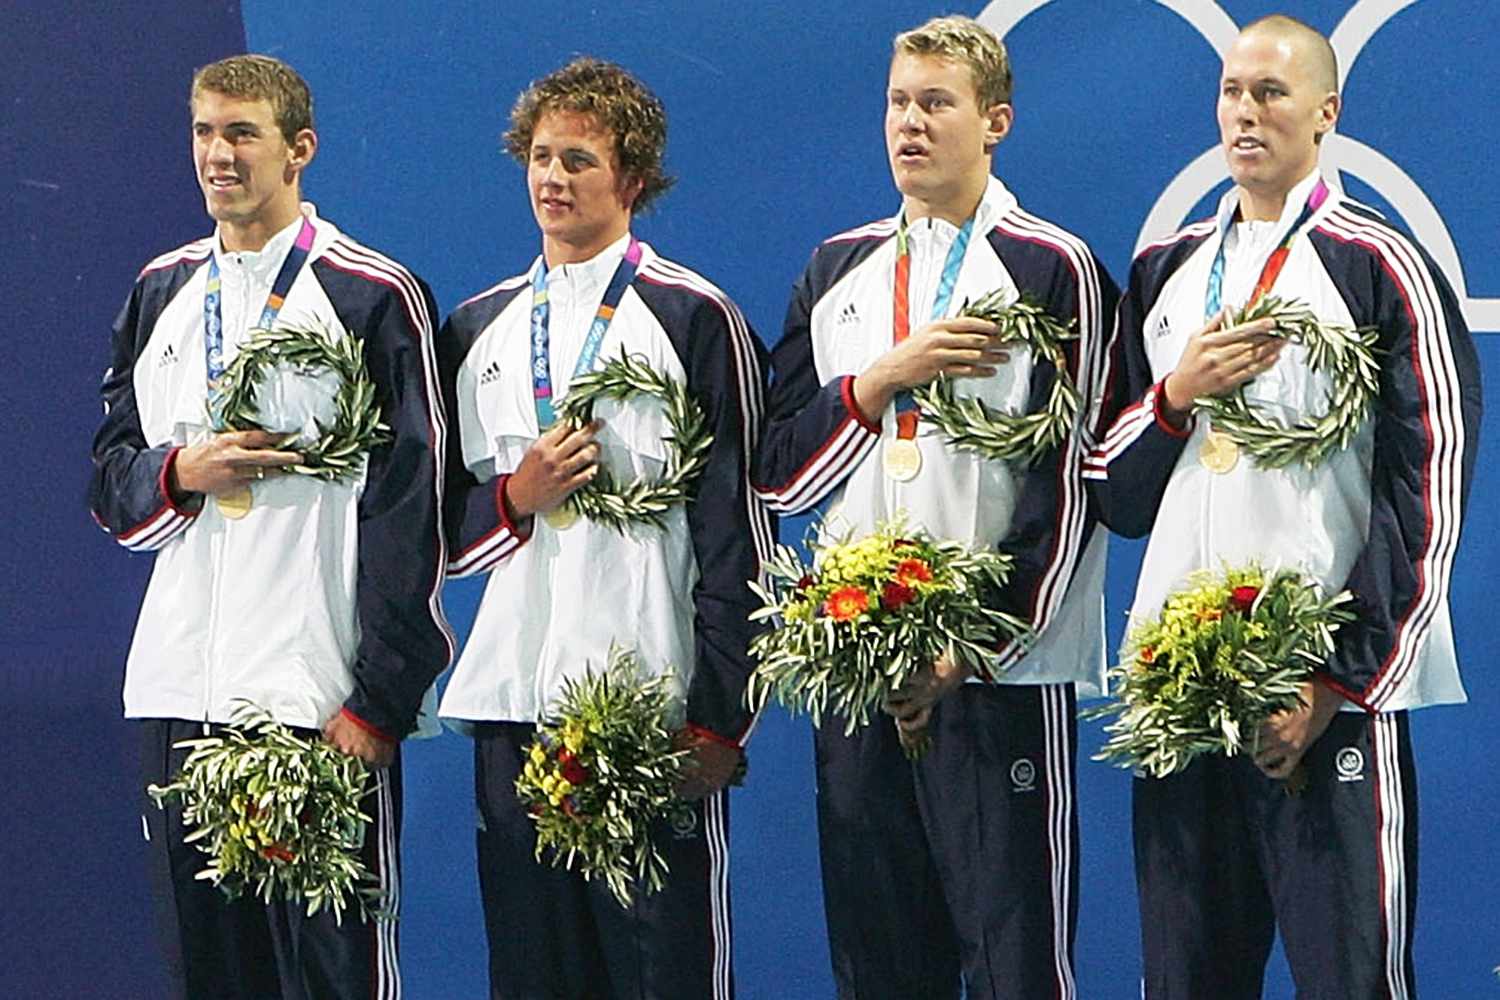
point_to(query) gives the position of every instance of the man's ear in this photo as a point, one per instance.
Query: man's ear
(998, 120)
(301, 150)
(630, 189)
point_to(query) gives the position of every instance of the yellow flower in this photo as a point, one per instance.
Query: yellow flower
(549, 783)
(572, 734)
(538, 755)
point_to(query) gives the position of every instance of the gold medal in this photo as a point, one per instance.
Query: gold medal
(561, 518)
(902, 460)
(1218, 453)
(236, 504)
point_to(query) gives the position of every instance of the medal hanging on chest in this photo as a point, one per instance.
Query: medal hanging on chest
(563, 517)
(238, 502)
(901, 457)
(1218, 453)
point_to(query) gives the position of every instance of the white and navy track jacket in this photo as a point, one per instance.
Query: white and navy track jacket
(325, 597)
(556, 600)
(1382, 517)
(820, 452)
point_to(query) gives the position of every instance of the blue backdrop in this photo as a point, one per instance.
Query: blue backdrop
(775, 133)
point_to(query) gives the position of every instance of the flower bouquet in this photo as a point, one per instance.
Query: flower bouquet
(1229, 650)
(276, 813)
(868, 614)
(602, 771)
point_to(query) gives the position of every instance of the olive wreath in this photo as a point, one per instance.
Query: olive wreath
(356, 427)
(969, 424)
(640, 501)
(1346, 353)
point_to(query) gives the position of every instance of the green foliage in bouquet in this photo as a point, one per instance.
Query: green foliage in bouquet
(276, 814)
(1228, 651)
(1345, 353)
(869, 613)
(357, 426)
(969, 424)
(602, 771)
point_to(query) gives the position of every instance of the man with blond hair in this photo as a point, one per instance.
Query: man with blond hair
(564, 590)
(959, 870)
(1227, 850)
(316, 600)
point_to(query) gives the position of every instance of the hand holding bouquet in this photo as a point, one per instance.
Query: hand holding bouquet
(1228, 651)
(276, 813)
(601, 772)
(868, 614)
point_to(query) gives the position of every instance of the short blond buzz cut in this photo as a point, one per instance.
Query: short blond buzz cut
(963, 40)
(1325, 62)
(253, 77)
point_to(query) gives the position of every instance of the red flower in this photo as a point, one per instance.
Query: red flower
(573, 772)
(805, 582)
(895, 595)
(910, 571)
(846, 603)
(1148, 654)
(278, 853)
(1240, 598)
(564, 755)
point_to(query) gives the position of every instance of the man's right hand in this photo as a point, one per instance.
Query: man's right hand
(227, 462)
(1217, 361)
(962, 346)
(556, 464)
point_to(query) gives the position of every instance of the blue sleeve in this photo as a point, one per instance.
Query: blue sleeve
(815, 434)
(1426, 438)
(1135, 448)
(480, 531)
(128, 491)
(1053, 523)
(731, 530)
(404, 640)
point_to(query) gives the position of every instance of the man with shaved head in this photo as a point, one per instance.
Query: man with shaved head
(1228, 850)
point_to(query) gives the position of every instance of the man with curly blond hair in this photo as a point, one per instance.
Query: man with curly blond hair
(563, 589)
(958, 870)
(316, 600)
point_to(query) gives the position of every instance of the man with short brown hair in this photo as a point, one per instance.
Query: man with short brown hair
(317, 600)
(564, 589)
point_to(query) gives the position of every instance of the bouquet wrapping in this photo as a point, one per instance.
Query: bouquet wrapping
(1229, 650)
(602, 772)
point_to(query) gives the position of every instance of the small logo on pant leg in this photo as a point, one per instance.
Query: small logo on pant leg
(1350, 764)
(1023, 776)
(685, 825)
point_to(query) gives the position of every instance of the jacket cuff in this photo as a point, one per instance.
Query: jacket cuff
(1328, 681)
(192, 503)
(518, 526)
(367, 726)
(1158, 403)
(846, 389)
(711, 736)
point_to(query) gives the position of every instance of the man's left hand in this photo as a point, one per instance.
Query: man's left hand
(911, 704)
(346, 737)
(1286, 736)
(711, 765)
